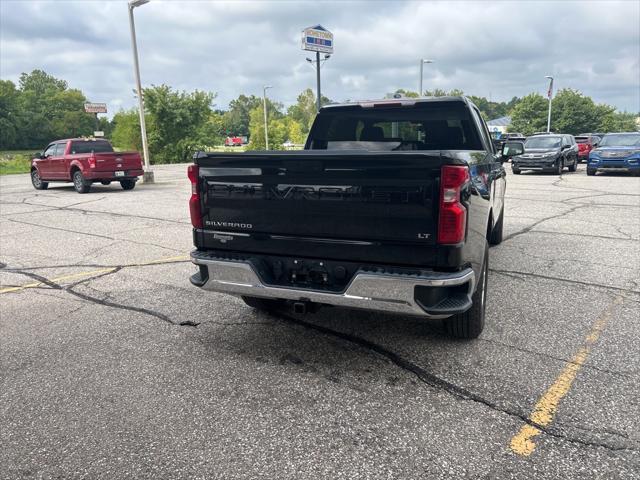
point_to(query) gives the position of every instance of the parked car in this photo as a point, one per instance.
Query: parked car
(514, 137)
(586, 143)
(234, 141)
(84, 161)
(506, 137)
(547, 153)
(616, 152)
(391, 207)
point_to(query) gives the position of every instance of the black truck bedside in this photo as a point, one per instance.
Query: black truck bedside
(391, 207)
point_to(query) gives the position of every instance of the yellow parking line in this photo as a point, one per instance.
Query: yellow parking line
(522, 443)
(90, 273)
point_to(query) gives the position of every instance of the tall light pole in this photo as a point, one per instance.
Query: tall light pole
(550, 95)
(422, 62)
(264, 100)
(147, 176)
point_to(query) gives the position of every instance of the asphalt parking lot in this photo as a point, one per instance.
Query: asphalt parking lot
(114, 366)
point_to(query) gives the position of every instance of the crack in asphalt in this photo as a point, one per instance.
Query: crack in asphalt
(565, 280)
(90, 212)
(624, 375)
(530, 227)
(48, 227)
(438, 383)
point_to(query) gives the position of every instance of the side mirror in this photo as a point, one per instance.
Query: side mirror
(40, 155)
(512, 149)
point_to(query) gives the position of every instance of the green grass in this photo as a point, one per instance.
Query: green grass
(15, 162)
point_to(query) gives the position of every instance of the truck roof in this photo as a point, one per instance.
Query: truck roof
(396, 102)
(81, 139)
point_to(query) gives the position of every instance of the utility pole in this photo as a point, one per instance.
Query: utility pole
(147, 176)
(264, 100)
(550, 96)
(422, 62)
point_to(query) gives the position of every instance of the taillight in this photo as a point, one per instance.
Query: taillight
(452, 222)
(92, 161)
(194, 202)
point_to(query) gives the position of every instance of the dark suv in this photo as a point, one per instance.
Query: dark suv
(547, 153)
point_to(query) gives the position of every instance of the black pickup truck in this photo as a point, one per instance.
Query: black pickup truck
(391, 207)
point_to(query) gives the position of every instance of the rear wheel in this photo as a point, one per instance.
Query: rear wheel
(574, 166)
(263, 304)
(469, 325)
(591, 171)
(79, 183)
(128, 184)
(37, 182)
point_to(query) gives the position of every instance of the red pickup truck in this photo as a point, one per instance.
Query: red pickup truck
(85, 161)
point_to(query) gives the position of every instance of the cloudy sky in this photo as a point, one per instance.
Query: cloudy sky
(497, 49)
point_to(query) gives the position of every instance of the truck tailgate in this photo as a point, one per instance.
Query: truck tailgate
(112, 161)
(335, 198)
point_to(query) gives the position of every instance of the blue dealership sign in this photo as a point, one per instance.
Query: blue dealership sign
(317, 39)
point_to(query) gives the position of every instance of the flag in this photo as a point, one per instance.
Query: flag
(550, 92)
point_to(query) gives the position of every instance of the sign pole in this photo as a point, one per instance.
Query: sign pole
(318, 79)
(320, 40)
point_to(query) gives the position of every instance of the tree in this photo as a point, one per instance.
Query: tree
(177, 119)
(41, 83)
(618, 122)
(281, 129)
(304, 111)
(530, 115)
(236, 119)
(126, 131)
(10, 118)
(574, 113)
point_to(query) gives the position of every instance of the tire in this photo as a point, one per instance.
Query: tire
(128, 184)
(37, 182)
(79, 183)
(591, 171)
(574, 166)
(515, 171)
(560, 167)
(495, 237)
(469, 325)
(106, 182)
(262, 304)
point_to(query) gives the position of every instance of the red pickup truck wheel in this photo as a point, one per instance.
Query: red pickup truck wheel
(79, 183)
(128, 184)
(37, 182)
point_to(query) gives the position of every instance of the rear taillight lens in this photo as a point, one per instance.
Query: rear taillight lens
(452, 223)
(92, 161)
(194, 202)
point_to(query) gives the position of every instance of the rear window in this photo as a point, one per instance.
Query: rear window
(621, 140)
(437, 126)
(582, 139)
(88, 146)
(543, 142)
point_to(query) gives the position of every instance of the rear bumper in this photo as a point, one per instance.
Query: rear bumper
(430, 294)
(111, 175)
